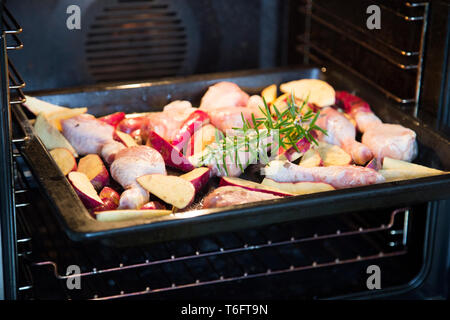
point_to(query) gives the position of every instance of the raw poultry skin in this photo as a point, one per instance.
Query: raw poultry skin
(167, 123)
(391, 140)
(87, 134)
(131, 163)
(342, 132)
(225, 102)
(384, 140)
(110, 149)
(228, 196)
(338, 176)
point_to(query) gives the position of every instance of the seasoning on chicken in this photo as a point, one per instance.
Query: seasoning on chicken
(384, 140)
(338, 176)
(342, 132)
(131, 163)
(86, 133)
(228, 196)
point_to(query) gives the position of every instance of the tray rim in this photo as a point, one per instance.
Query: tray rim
(250, 210)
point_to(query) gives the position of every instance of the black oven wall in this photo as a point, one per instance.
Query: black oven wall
(122, 40)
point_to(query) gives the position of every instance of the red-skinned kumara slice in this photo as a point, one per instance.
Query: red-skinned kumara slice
(85, 190)
(110, 198)
(298, 188)
(333, 155)
(121, 215)
(129, 125)
(171, 189)
(92, 165)
(171, 155)
(64, 159)
(127, 140)
(113, 119)
(195, 121)
(199, 177)
(310, 159)
(253, 186)
(153, 205)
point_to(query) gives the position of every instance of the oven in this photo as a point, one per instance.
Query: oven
(125, 53)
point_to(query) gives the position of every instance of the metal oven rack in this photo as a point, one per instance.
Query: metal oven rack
(147, 271)
(404, 60)
(12, 84)
(151, 270)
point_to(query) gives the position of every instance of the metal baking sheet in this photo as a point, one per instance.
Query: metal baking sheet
(434, 151)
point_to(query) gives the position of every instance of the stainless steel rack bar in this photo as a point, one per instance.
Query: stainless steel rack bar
(356, 29)
(394, 220)
(16, 81)
(13, 83)
(353, 33)
(355, 72)
(245, 276)
(365, 44)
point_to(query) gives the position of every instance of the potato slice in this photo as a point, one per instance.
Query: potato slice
(405, 174)
(126, 139)
(85, 190)
(50, 136)
(199, 177)
(253, 186)
(333, 155)
(317, 91)
(203, 137)
(38, 106)
(269, 93)
(92, 166)
(171, 189)
(298, 188)
(122, 215)
(172, 156)
(56, 116)
(64, 159)
(389, 163)
(310, 159)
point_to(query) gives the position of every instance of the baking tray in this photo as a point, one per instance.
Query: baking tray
(434, 151)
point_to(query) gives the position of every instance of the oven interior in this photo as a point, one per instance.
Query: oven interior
(311, 259)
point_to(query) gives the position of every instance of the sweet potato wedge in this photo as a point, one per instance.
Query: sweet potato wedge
(171, 155)
(85, 190)
(121, 215)
(50, 136)
(253, 186)
(269, 93)
(199, 177)
(310, 159)
(333, 155)
(171, 189)
(92, 166)
(64, 159)
(298, 188)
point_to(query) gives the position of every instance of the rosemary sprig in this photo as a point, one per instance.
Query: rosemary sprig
(255, 137)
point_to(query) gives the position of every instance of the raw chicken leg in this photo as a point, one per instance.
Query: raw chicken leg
(86, 133)
(338, 176)
(131, 163)
(224, 94)
(384, 140)
(228, 196)
(225, 104)
(341, 132)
